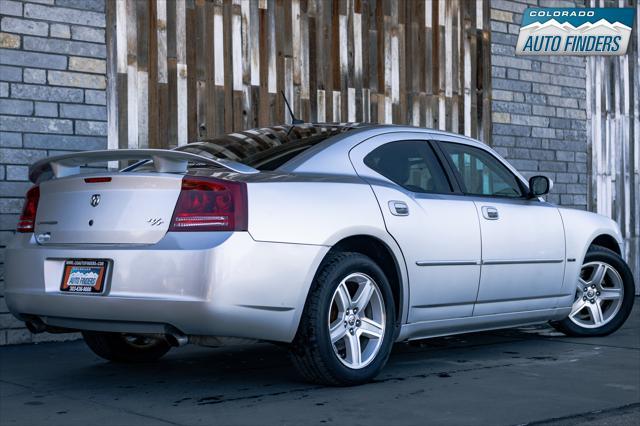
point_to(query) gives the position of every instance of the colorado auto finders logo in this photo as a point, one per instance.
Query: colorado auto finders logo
(575, 31)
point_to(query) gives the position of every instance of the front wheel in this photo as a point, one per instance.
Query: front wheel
(604, 295)
(347, 327)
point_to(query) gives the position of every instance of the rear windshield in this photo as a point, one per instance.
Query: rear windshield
(266, 148)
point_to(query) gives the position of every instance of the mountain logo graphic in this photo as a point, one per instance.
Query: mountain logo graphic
(575, 31)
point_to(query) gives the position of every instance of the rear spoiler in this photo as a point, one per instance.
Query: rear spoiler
(164, 161)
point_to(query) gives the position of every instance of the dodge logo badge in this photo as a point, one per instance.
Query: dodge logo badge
(95, 200)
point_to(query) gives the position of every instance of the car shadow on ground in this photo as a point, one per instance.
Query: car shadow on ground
(264, 364)
(478, 378)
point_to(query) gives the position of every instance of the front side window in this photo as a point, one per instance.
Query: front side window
(411, 164)
(481, 173)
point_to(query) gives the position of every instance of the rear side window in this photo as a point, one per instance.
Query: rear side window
(411, 164)
(480, 172)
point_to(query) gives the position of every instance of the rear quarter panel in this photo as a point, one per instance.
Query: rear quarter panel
(319, 210)
(313, 210)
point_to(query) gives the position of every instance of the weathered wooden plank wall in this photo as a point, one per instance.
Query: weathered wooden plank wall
(190, 69)
(613, 109)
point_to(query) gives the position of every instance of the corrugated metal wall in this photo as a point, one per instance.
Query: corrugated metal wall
(182, 70)
(613, 110)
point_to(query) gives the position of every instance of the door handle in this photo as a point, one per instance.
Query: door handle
(490, 213)
(398, 208)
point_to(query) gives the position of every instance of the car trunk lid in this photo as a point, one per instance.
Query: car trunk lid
(120, 208)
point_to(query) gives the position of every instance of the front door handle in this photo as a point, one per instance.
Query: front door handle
(490, 213)
(398, 208)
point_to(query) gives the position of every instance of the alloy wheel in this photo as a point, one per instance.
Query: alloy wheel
(357, 320)
(599, 295)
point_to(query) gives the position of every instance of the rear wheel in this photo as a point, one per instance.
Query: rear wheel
(604, 295)
(346, 331)
(126, 348)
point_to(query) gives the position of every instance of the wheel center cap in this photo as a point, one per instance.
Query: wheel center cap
(351, 319)
(590, 294)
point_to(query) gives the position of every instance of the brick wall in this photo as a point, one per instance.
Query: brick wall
(52, 100)
(539, 107)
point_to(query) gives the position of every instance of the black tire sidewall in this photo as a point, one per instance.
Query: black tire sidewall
(614, 260)
(362, 264)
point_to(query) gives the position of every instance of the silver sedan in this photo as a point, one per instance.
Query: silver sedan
(338, 240)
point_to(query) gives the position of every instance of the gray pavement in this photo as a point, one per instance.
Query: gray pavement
(509, 377)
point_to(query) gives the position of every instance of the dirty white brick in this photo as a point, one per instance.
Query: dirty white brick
(96, 66)
(24, 26)
(10, 7)
(46, 109)
(60, 14)
(94, 35)
(32, 75)
(74, 79)
(96, 97)
(60, 31)
(9, 41)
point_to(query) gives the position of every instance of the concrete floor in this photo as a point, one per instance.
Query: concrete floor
(500, 378)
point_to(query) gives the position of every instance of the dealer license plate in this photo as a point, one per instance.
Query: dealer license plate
(84, 276)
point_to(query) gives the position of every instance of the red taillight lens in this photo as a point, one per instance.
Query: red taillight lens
(207, 204)
(97, 180)
(28, 216)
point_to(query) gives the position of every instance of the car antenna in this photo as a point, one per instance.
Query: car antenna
(294, 120)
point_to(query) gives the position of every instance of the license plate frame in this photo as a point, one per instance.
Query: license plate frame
(90, 278)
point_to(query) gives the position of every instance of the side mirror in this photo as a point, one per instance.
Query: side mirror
(539, 185)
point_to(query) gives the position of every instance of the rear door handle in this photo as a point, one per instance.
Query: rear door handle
(398, 208)
(490, 213)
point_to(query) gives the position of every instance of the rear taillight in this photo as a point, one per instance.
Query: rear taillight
(28, 216)
(207, 204)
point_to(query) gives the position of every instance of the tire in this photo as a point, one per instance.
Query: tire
(613, 312)
(314, 354)
(125, 348)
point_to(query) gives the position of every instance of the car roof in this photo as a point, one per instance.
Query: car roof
(327, 157)
(272, 136)
(328, 154)
(327, 144)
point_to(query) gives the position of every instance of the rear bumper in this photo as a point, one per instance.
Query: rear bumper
(216, 284)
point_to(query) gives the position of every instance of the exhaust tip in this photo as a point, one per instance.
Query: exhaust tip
(36, 326)
(177, 339)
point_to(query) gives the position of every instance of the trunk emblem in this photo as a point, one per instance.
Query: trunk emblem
(95, 200)
(155, 221)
